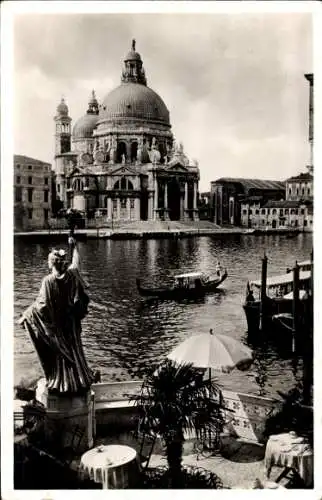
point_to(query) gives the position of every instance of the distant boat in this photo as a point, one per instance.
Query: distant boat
(188, 285)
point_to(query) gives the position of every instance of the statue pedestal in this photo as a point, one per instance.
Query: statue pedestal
(66, 413)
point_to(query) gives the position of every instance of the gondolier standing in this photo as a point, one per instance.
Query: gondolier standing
(218, 269)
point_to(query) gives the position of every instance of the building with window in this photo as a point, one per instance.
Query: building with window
(120, 160)
(277, 215)
(228, 193)
(32, 193)
(300, 187)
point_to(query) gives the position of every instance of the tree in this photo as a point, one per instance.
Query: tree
(174, 400)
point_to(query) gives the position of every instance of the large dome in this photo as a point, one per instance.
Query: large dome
(84, 126)
(134, 101)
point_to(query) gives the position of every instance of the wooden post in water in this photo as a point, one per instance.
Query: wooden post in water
(296, 303)
(263, 294)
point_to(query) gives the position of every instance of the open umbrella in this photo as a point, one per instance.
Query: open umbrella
(215, 352)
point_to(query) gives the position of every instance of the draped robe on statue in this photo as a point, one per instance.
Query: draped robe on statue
(54, 324)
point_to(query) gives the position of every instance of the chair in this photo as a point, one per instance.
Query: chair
(146, 448)
(68, 453)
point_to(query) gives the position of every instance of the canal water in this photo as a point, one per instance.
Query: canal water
(124, 335)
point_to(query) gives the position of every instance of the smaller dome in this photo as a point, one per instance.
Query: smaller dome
(132, 56)
(84, 127)
(62, 108)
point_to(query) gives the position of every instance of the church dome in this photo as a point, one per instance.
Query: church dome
(85, 126)
(134, 101)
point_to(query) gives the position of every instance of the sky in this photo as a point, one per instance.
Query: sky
(233, 83)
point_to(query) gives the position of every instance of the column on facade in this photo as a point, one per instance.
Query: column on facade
(118, 201)
(109, 208)
(137, 207)
(195, 207)
(156, 197)
(166, 212)
(166, 196)
(150, 206)
(186, 213)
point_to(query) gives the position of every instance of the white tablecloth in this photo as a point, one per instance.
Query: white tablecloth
(288, 450)
(115, 466)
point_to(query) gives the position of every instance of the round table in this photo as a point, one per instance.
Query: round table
(115, 466)
(290, 451)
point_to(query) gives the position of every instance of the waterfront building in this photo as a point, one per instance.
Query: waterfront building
(32, 193)
(282, 215)
(227, 194)
(120, 160)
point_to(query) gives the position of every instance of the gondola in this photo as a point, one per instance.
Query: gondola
(187, 285)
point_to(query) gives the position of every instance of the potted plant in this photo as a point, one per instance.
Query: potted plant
(175, 400)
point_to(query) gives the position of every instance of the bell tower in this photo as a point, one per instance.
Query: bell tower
(62, 146)
(63, 129)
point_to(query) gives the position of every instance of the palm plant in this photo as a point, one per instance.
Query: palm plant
(175, 400)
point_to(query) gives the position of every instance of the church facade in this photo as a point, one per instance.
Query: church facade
(120, 160)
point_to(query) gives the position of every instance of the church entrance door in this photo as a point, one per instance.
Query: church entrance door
(174, 199)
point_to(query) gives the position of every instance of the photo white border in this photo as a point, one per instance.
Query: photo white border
(8, 10)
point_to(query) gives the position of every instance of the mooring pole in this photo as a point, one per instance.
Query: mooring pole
(263, 293)
(296, 303)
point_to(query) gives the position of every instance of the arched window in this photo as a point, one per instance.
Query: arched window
(121, 150)
(123, 183)
(274, 211)
(134, 150)
(130, 185)
(86, 182)
(117, 185)
(105, 202)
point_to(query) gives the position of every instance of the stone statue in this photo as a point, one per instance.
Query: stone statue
(139, 155)
(97, 146)
(53, 322)
(123, 159)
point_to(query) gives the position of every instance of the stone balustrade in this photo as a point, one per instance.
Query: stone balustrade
(246, 420)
